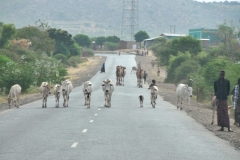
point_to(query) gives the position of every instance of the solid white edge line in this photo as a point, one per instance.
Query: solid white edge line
(74, 145)
(84, 131)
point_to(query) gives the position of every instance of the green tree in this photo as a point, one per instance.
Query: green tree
(141, 35)
(83, 40)
(61, 36)
(7, 32)
(113, 39)
(100, 40)
(225, 33)
(184, 44)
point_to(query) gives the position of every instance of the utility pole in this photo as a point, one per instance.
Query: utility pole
(130, 19)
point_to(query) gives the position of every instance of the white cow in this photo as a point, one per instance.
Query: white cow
(14, 95)
(154, 93)
(87, 90)
(108, 88)
(67, 88)
(56, 92)
(183, 92)
(45, 90)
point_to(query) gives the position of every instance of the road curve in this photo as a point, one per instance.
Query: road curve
(123, 132)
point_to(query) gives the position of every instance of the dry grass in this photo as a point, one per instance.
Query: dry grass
(73, 72)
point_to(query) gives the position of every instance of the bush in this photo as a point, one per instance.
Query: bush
(75, 50)
(61, 48)
(74, 60)
(12, 55)
(61, 57)
(184, 70)
(175, 61)
(112, 46)
(87, 52)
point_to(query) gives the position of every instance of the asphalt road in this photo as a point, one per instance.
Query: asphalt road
(123, 132)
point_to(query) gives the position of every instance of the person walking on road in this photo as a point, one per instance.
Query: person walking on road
(139, 64)
(222, 89)
(103, 68)
(145, 76)
(158, 72)
(236, 102)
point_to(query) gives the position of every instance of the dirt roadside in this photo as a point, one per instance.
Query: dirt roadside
(200, 112)
(77, 76)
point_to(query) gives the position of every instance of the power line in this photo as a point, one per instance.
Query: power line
(130, 19)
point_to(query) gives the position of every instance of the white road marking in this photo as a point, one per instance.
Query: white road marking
(99, 109)
(91, 121)
(74, 145)
(6, 111)
(15, 118)
(95, 114)
(101, 105)
(84, 131)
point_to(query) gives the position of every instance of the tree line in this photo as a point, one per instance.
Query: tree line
(188, 62)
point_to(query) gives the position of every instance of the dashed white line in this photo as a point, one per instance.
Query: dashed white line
(95, 114)
(91, 121)
(84, 131)
(74, 145)
(99, 109)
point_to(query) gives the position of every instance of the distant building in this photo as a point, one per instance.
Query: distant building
(129, 45)
(150, 41)
(172, 35)
(205, 35)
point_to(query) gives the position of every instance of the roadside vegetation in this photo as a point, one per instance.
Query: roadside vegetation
(188, 62)
(34, 54)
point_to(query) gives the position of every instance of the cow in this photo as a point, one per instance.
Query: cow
(141, 98)
(87, 90)
(56, 92)
(66, 90)
(214, 107)
(108, 88)
(183, 92)
(45, 90)
(14, 95)
(139, 75)
(154, 93)
(118, 75)
(87, 99)
(123, 75)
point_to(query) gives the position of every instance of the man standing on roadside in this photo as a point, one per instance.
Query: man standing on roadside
(222, 89)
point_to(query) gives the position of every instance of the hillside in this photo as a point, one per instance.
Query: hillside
(104, 17)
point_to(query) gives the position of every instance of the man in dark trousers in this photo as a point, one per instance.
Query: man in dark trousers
(222, 89)
(145, 76)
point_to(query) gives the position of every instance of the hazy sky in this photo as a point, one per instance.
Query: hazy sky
(215, 0)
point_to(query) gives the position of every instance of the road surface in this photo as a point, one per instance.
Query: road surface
(123, 132)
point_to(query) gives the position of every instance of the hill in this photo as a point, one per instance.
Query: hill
(104, 17)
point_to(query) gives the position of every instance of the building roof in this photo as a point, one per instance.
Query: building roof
(173, 35)
(152, 38)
